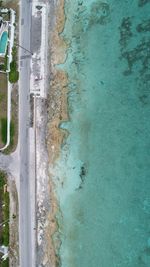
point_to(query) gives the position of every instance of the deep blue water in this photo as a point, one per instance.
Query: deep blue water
(104, 168)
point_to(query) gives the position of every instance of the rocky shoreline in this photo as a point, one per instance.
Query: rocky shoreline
(57, 113)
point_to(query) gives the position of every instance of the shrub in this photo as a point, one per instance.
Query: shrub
(5, 263)
(13, 74)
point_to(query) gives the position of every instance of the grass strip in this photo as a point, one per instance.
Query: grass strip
(4, 130)
(12, 136)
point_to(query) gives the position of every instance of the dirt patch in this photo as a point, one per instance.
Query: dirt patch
(14, 222)
(11, 4)
(4, 213)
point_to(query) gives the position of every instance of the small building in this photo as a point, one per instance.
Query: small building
(4, 10)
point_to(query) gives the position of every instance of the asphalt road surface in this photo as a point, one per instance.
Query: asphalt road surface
(25, 231)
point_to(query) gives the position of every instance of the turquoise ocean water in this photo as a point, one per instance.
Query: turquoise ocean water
(103, 173)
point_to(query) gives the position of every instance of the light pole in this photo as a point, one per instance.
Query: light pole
(25, 49)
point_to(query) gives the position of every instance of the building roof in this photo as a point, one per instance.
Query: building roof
(4, 10)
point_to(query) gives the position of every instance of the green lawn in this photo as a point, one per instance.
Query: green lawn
(12, 135)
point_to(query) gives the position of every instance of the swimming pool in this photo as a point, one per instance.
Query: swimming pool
(3, 42)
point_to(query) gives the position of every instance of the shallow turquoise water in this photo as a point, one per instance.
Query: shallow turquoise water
(3, 42)
(103, 174)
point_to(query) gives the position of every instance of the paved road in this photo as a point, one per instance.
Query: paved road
(25, 240)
